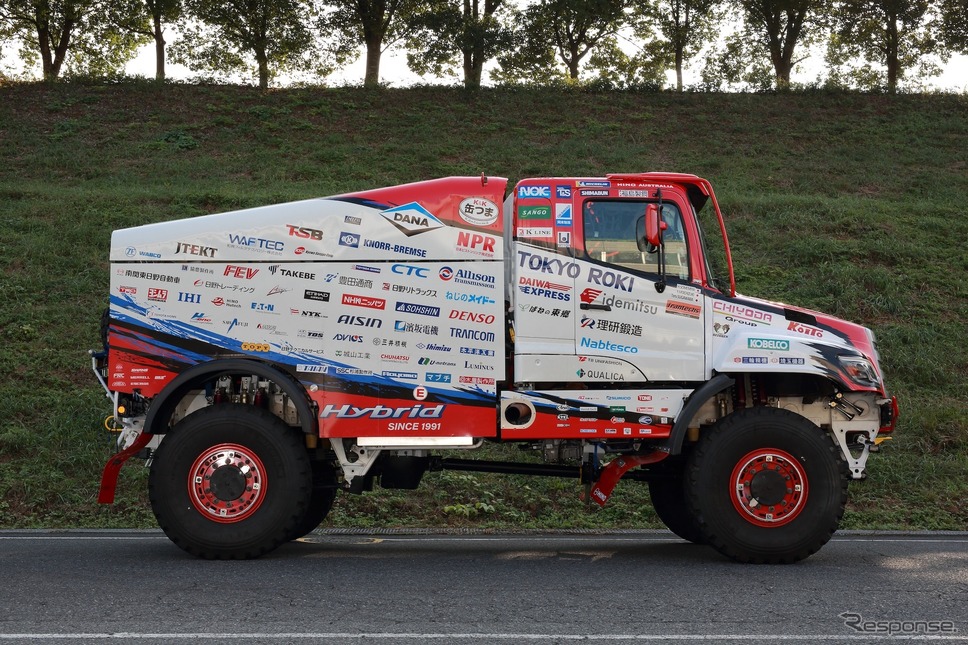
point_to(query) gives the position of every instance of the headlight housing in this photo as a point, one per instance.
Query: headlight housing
(860, 370)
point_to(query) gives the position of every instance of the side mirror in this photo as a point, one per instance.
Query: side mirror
(653, 228)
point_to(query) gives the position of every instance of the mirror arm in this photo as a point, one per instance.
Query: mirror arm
(660, 285)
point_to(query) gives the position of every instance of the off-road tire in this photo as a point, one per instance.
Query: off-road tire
(668, 497)
(766, 486)
(320, 501)
(230, 482)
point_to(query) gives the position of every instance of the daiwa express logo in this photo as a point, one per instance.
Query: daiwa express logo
(412, 219)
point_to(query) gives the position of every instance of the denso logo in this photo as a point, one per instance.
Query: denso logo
(470, 316)
(534, 192)
(409, 270)
(304, 232)
(417, 411)
(412, 219)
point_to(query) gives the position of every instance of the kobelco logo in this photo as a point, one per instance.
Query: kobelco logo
(768, 343)
(534, 192)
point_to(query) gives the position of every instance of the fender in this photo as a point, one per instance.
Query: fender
(163, 406)
(710, 388)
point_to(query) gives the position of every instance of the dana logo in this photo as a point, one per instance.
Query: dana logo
(348, 411)
(349, 239)
(534, 192)
(412, 219)
(767, 343)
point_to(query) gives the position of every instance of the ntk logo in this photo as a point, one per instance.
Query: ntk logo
(412, 219)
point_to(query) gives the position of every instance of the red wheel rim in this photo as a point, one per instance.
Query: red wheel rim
(769, 487)
(227, 483)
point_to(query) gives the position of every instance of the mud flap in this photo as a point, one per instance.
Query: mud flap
(616, 469)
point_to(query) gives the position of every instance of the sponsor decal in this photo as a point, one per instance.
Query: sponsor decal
(256, 243)
(563, 192)
(256, 347)
(307, 313)
(347, 411)
(593, 193)
(600, 375)
(553, 266)
(363, 301)
(465, 276)
(534, 212)
(769, 344)
(362, 283)
(741, 311)
(608, 346)
(395, 358)
(752, 360)
(433, 347)
(633, 193)
(262, 306)
(420, 393)
(304, 232)
(412, 219)
(469, 298)
(289, 273)
(365, 268)
(534, 192)
(470, 316)
(276, 290)
(351, 240)
(564, 239)
(158, 295)
(420, 310)
(400, 249)
(415, 328)
(132, 291)
(312, 369)
(348, 338)
(350, 219)
(483, 367)
(476, 243)
(472, 334)
(235, 323)
(589, 296)
(410, 376)
(720, 330)
(593, 184)
(615, 327)
(352, 370)
(481, 380)
(201, 317)
(194, 298)
(687, 309)
(534, 231)
(611, 279)
(477, 351)
(241, 272)
(793, 326)
(194, 249)
(478, 211)
(299, 250)
(361, 321)
(410, 270)
(437, 377)
(790, 361)
(644, 397)
(194, 268)
(563, 215)
(645, 420)
(318, 296)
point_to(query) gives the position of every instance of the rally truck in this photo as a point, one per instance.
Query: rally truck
(263, 361)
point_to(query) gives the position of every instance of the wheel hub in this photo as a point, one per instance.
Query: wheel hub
(769, 487)
(227, 483)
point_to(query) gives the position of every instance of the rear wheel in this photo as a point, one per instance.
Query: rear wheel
(320, 501)
(668, 497)
(766, 486)
(230, 482)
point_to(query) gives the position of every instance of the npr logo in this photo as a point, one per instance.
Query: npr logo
(476, 241)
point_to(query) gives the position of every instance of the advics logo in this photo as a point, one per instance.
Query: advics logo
(412, 219)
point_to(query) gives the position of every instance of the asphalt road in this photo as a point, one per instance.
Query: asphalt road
(630, 587)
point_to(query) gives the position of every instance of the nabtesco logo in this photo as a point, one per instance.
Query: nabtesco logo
(768, 343)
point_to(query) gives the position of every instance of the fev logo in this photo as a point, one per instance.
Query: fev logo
(412, 219)
(534, 192)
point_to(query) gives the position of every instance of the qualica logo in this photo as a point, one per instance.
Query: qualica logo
(417, 411)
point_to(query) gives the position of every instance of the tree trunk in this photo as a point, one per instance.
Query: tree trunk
(159, 50)
(893, 65)
(263, 61)
(679, 58)
(374, 50)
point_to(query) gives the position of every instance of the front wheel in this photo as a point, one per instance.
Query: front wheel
(230, 482)
(766, 486)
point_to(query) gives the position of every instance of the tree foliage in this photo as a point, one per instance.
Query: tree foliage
(375, 24)
(448, 33)
(77, 35)
(686, 26)
(954, 24)
(777, 28)
(898, 35)
(225, 36)
(147, 19)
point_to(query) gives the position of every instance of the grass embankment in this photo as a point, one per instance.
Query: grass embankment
(849, 204)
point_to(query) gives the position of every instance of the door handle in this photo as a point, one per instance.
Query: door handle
(586, 306)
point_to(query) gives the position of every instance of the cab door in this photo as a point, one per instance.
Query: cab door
(623, 308)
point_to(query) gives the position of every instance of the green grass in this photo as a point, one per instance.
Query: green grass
(847, 203)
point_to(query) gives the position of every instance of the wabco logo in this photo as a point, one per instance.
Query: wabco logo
(417, 411)
(534, 192)
(767, 343)
(412, 219)
(409, 270)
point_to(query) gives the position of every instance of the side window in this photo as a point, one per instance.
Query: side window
(609, 228)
